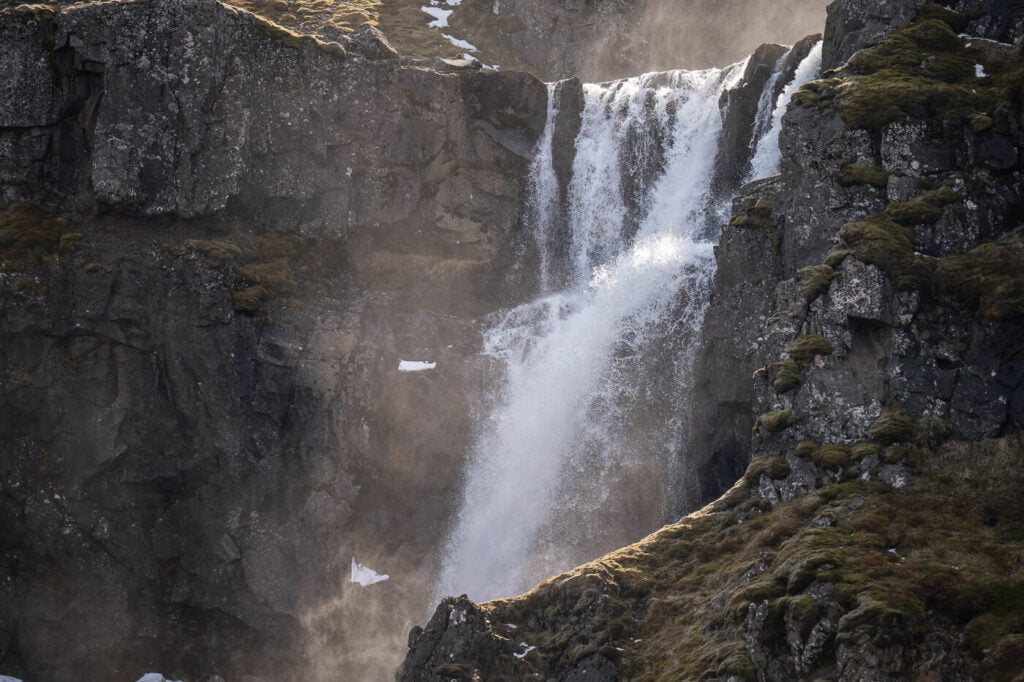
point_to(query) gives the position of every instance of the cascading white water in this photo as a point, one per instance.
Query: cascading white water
(587, 422)
(767, 155)
(766, 104)
(543, 188)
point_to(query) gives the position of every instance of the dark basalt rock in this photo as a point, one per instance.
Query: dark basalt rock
(201, 417)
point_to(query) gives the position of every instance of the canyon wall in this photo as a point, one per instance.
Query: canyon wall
(861, 353)
(203, 418)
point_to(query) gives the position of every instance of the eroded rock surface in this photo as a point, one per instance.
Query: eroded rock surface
(203, 416)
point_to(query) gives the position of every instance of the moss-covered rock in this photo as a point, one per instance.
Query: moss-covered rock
(987, 278)
(784, 375)
(815, 280)
(854, 174)
(924, 71)
(805, 348)
(773, 422)
(892, 426)
(774, 467)
(832, 456)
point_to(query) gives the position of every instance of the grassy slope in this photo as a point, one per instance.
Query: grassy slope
(946, 550)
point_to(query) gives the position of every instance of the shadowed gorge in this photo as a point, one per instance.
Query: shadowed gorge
(316, 314)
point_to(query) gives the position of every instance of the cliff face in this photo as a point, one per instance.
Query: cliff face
(604, 39)
(873, 291)
(203, 418)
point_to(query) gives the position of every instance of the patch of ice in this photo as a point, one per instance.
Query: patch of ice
(979, 71)
(440, 16)
(461, 44)
(526, 649)
(361, 575)
(415, 366)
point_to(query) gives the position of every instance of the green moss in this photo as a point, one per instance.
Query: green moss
(892, 426)
(859, 451)
(809, 567)
(756, 216)
(891, 611)
(776, 468)
(784, 375)
(924, 71)
(836, 258)
(27, 227)
(249, 299)
(805, 348)
(980, 122)
(881, 241)
(923, 209)
(894, 454)
(68, 241)
(737, 665)
(832, 456)
(773, 422)
(803, 611)
(956, 21)
(854, 174)
(805, 449)
(815, 280)
(988, 278)
(215, 250)
(455, 671)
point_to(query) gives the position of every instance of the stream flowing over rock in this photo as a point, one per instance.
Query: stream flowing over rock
(299, 336)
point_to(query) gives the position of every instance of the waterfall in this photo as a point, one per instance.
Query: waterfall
(766, 104)
(767, 155)
(579, 454)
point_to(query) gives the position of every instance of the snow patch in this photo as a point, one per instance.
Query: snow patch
(526, 649)
(415, 366)
(148, 677)
(461, 44)
(979, 71)
(361, 575)
(7, 678)
(440, 16)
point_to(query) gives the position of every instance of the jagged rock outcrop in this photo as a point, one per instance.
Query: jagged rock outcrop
(873, 291)
(203, 419)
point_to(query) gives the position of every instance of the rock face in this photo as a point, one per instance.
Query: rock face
(182, 452)
(600, 40)
(872, 289)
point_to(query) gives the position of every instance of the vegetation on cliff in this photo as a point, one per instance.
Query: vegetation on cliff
(804, 583)
(924, 71)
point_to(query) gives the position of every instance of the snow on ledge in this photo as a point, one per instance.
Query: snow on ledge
(148, 677)
(361, 575)
(415, 366)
